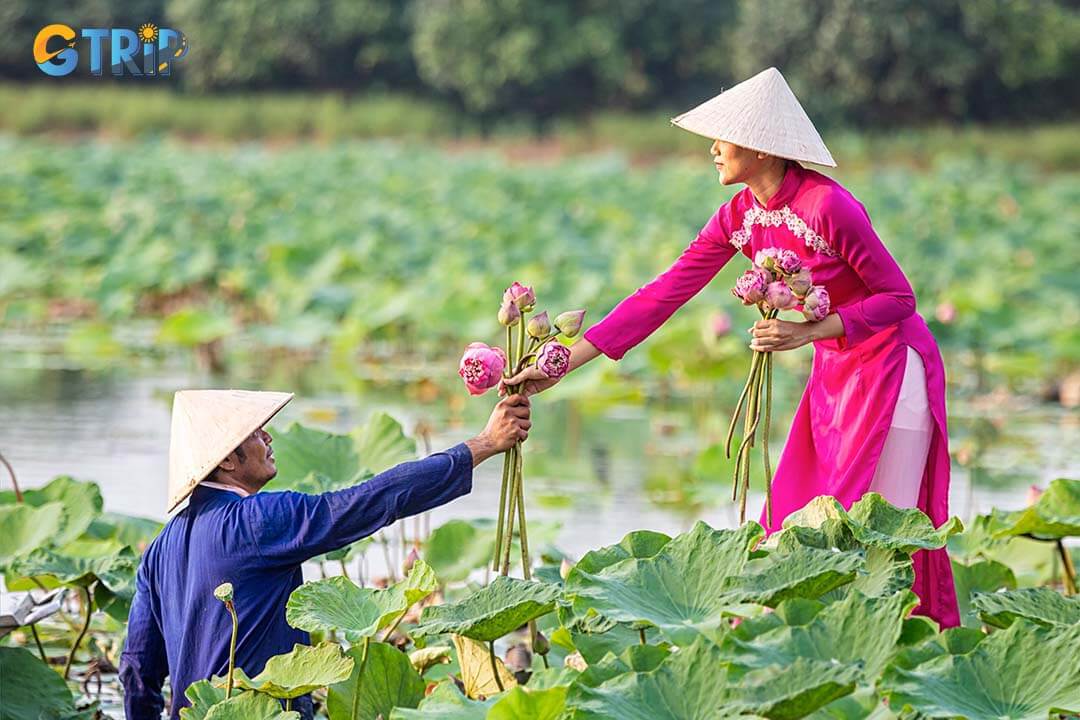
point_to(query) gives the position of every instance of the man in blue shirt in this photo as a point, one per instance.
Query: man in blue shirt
(230, 532)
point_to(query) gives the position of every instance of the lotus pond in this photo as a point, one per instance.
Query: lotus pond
(354, 274)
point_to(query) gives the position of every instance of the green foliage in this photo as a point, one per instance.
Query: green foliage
(81, 501)
(497, 609)
(1056, 514)
(300, 671)
(30, 689)
(1042, 606)
(388, 681)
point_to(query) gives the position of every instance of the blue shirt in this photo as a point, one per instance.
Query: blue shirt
(176, 626)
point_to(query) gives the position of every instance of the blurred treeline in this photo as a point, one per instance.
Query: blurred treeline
(866, 62)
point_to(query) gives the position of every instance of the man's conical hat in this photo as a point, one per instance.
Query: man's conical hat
(207, 425)
(760, 114)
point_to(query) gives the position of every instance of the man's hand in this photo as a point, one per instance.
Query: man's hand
(509, 424)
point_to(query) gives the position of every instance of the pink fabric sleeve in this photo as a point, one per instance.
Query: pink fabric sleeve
(636, 317)
(892, 300)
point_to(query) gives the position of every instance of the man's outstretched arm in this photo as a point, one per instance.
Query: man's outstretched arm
(291, 527)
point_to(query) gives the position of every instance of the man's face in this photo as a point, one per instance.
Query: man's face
(252, 463)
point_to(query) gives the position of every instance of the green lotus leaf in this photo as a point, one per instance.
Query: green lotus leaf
(24, 528)
(609, 637)
(1042, 606)
(388, 681)
(856, 631)
(529, 704)
(337, 603)
(126, 529)
(446, 702)
(636, 658)
(329, 459)
(301, 671)
(456, 548)
(953, 641)
(984, 576)
(864, 704)
(696, 684)
(87, 563)
(201, 695)
(1055, 515)
(81, 500)
(250, 706)
(686, 587)
(493, 611)
(637, 544)
(1023, 672)
(381, 443)
(31, 689)
(874, 522)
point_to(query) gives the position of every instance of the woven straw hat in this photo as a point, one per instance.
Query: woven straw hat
(761, 114)
(207, 425)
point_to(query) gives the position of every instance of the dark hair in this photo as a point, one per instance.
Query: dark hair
(239, 450)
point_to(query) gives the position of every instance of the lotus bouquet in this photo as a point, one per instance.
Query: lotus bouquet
(482, 367)
(776, 282)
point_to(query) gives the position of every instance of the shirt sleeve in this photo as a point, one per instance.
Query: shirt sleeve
(143, 663)
(891, 298)
(291, 527)
(636, 317)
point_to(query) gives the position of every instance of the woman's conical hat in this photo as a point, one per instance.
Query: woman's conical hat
(207, 425)
(760, 114)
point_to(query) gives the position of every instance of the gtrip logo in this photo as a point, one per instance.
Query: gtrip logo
(149, 51)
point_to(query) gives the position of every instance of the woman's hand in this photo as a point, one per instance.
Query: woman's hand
(773, 335)
(534, 379)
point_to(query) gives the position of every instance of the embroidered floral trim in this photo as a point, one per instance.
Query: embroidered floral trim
(775, 218)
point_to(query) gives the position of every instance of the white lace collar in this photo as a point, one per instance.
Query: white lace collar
(757, 215)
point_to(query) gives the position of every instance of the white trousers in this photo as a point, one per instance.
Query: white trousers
(899, 473)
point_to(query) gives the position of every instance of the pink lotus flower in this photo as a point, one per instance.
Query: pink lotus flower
(720, 324)
(1033, 494)
(766, 258)
(800, 283)
(778, 295)
(539, 326)
(554, 360)
(788, 262)
(521, 295)
(945, 313)
(750, 287)
(816, 304)
(509, 314)
(481, 367)
(569, 323)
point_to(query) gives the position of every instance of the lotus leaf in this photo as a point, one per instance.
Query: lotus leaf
(979, 577)
(381, 443)
(696, 684)
(500, 608)
(314, 460)
(636, 658)
(1023, 672)
(1055, 515)
(446, 703)
(874, 522)
(24, 528)
(201, 695)
(1039, 605)
(301, 671)
(250, 706)
(456, 548)
(114, 567)
(529, 704)
(30, 688)
(81, 500)
(388, 681)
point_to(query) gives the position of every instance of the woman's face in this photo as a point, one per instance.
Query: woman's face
(735, 164)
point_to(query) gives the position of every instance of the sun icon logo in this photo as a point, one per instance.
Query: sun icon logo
(148, 32)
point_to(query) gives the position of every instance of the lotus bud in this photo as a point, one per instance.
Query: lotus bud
(1033, 494)
(778, 295)
(788, 262)
(766, 258)
(800, 283)
(750, 287)
(521, 295)
(569, 323)
(720, 324)
(554, 360)
(224, 592)
(540, 644)
(565, 567)
(816, 304)
(945, 313)
(539, 326)
(410, 560)
(481, 367)
(509, 314)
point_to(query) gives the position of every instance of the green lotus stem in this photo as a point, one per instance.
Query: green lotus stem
(1068, 570)
(507, 459)
(232, 649)
(519, 471)
(344, 570)
(359, 674)
(88, 603)
(765, 438)
(37, 640)
(509, 348)
(495, 665)
(641, 635)
(508, 540)
(14, 480)
(288, 704)
(749, 422)
(748, 442)
(738, 405)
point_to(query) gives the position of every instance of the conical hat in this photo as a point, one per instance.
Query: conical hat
(760, 114)
(207, 425)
